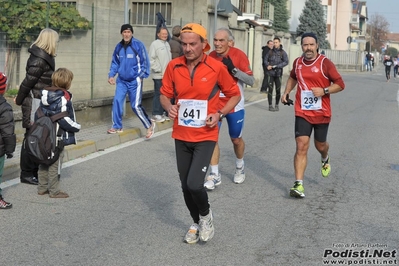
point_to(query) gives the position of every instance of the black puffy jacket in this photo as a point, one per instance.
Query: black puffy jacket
(276, 57)
(39, 68)
(7, 136)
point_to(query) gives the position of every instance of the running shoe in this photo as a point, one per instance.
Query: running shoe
(114, 130)
(166, 117)
(206, 229)
(297, 191)
(326, 168)
(4, 204)
(158, 118)
(239, 175)
(192, 235)
(213, 180)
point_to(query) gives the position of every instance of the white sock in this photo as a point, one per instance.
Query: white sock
(299, 181)
(324, 159)
(215, 169)
(240, 163)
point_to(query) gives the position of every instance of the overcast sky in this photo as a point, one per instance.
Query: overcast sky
(388, 9)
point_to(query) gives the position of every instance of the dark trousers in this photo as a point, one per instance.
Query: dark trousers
(388, 72)
(265, 81)
(274, 81)
(156, 102)
(28, 168)
(193, 159)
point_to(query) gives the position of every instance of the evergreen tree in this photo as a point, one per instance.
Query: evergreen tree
(312, 20)
(22, 21)
(281, 15)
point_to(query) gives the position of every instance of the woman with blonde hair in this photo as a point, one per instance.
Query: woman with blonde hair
(39, 68)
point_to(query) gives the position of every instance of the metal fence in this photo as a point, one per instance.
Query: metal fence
(86, 53)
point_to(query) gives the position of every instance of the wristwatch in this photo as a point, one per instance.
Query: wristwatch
(326, 91)
(221, 115)
(234, 71)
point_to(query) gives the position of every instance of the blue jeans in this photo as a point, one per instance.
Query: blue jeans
(156, 102)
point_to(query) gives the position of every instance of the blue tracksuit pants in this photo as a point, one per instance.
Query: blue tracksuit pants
(134, 89)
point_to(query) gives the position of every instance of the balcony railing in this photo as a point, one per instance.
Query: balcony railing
(267, 11)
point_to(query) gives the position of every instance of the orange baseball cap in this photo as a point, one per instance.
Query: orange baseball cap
(198, 29)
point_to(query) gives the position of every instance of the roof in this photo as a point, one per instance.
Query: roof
(393, 37)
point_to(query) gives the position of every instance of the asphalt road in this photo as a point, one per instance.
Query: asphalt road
(126, 205)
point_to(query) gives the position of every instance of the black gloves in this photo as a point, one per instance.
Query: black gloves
(227, 62)
(289, 101)
(9, 155)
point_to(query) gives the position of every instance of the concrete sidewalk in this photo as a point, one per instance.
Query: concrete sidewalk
(95, 138)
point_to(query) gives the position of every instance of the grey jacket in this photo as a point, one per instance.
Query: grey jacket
(160, 56)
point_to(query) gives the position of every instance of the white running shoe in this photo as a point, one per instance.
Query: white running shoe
(158, 118)
(206, 229)
(213, 180)
(192, 235)
(166, 116)
(239, 175)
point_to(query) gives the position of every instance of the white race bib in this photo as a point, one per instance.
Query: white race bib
(192, 113)
(309, 101)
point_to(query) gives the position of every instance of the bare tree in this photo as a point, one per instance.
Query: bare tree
(378, 29)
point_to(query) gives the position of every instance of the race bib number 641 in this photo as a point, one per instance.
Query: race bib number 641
(192, 113)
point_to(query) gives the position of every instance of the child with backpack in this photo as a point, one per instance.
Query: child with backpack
(7, 136)
(55, 100)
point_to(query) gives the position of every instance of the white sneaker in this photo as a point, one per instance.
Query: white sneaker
(157, 118)
(166, 117)
(192, 235)
(206, 229)
(239, 175)
(213, 180)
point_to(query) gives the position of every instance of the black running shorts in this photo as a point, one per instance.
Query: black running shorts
(304, 128)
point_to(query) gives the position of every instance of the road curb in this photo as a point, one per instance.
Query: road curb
(86, 147)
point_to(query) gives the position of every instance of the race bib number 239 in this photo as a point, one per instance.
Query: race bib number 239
(309, 101)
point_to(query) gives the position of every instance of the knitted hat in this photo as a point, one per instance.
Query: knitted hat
(309, 34)
(3, 83)
(126, 27)
(198, 29)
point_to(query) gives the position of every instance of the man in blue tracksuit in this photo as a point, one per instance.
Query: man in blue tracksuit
(131, 62)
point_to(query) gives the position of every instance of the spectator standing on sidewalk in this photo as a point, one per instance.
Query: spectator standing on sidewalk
(7, 136)
(132, 64)
(316, 77)
(265, 52)
(194, 81)
(57, 99)
(39, 68)
(368, 62)
(160, 56)
(175, 43)
(275, 60)
(395, 67)
(238, 65)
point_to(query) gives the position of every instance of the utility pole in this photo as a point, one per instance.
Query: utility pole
(48, 14)
(126, 11)
(371, 37)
